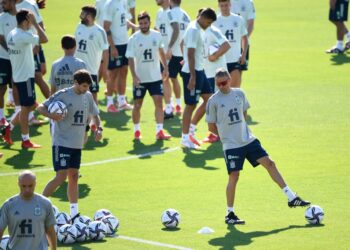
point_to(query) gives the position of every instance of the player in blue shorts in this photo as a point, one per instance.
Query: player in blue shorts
(338, 14)
(226, 115)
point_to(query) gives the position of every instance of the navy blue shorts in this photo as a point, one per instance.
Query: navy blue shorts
(94, 87)
(153, 88)
(5, 71)
(42, 55)
(37, 63)
(64, 158)
(212, 83)
(175, 66)
(233, 66)
(26, 92)
(244, 67)
(202, 87)
(121, 61)
(235, 157)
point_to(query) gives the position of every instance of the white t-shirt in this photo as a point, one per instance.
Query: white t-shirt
(163, 26)
(25, 4)
(213, 37)
(7, 23)
(244, 8)
(115, 12)
(20, 44)
(234, 29)
(99, 11)
(178, 15)
(91, 42)
(144, 48)
(193, 38)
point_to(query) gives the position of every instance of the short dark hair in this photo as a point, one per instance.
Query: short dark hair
(222, 72)
(90, 10)
(82, 76)
(68, 42)
(222, 1)
(143, 14)
(177, 2)
(208, 13)
(21, 16)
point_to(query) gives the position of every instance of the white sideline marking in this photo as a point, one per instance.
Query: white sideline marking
(90, 164)
(154, 243)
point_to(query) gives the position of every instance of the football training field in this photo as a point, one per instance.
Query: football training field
(300, 111)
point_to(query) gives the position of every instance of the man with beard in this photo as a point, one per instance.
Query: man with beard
(29, 217)
(68, 135)
(145, 53)
(92, 45)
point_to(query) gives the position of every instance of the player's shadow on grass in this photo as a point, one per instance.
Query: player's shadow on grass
(173, 126)
(340, 59)
(91, 144)
(22, 159)
(235, 237)
(198, 158)
(146, 151)
(83, 245)
(116, 120)
(61, 192)
(250, 121)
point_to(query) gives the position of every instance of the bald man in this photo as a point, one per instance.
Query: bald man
(29, 217)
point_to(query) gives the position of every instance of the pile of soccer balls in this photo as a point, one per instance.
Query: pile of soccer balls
(83, 228)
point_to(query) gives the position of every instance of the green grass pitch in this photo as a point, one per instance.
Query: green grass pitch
(300, 112)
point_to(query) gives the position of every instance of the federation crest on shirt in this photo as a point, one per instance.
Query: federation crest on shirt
(154, 43)
(243, 8)
(91, 37)
(238, 100)
(235, 24)
(37, 210)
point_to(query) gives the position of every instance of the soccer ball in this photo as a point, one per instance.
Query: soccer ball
(97, 230)
(170, 218)
(55, 210)
(82, 219)
(4, 242)
(62, 219)
(58, 107)
(314, 214)
(82, 231)
(112, 224)
(67, 234)
(101, 213)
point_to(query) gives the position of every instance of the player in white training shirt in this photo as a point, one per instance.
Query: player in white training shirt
(233, 27)
(20, 43)
(91, 45)
(179, 21)
(195, 82)
(163, 26)
(145, 53)
(245, 8)
(116, 25)
(7, 23)
(215, 48)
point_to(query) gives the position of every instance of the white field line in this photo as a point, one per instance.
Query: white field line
(149, 242)
(91, 164)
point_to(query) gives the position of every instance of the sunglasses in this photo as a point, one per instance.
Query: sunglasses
(222, 83)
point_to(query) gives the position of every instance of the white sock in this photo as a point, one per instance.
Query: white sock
(73, 209)
(17, 109)
(137, 127)
(169, 108)
(121, 100)
(109, 100)
(340, 45)
(348, 36)
(11, 126)
(31, 115)
(230, 209)
(185, 137)
(289, 193)
(25, 137)
(2, 113)
(192, 129)
(10, 96)
(178, 101)
(159, 127)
